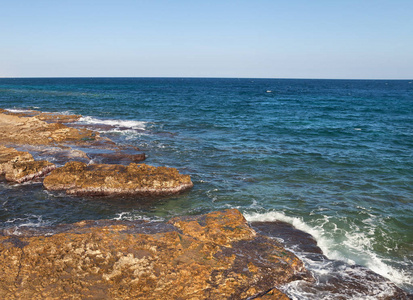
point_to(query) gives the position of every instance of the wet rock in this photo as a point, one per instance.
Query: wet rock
(26, 171)
(293, 238)
(77, 178)
(118, 158)
(333, 279)
(273, 294)
(18, 166)
(338, 280)
(214, 256)
(11, 155)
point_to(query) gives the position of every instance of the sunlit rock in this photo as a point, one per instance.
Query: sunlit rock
(19, 166)
(77, 178)
(213, 256)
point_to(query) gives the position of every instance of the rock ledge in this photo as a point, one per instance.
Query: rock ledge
(19, 166)
(77, 178)
(213, 256)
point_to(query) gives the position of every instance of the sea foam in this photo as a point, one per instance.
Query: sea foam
(356, 248)
(140, 125)
(18, 110)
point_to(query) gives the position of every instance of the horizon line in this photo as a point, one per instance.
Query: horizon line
(194, 77)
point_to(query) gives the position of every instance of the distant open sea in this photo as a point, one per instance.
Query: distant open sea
(332, 157)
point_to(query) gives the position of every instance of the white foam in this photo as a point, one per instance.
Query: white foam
(360, 244)
(29, 221)
(129, 133)
(115, 123)
(298, 223)
(18, 110)
(15, 110)
(65, 112)
(355, 248)
(323, 270)
(130, 216)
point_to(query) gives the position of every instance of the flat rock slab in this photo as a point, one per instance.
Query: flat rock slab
(44, 133)
(77, 178)
(19, 166)
(23, 130)
(44, 116)
(213, 256)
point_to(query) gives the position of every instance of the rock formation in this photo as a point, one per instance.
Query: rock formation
(44, 116)
(77, 178)
(30, 130)
(18, 166)
(213, 256)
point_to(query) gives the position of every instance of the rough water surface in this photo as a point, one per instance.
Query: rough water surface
(331, 157)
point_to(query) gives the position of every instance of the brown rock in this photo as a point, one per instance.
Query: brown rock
(135, 260)
(18, 166)
(44, 116)
(26, 171)
(32, 131)
(99, 180)
(11, 155)
(58, 118)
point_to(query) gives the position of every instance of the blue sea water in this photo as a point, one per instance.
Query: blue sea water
(332, 157)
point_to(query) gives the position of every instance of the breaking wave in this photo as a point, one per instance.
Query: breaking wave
(353, 247)
(137, 125)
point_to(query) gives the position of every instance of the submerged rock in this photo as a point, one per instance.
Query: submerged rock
(118, 157)
(18, 166)
(77, 178)
(213, 256)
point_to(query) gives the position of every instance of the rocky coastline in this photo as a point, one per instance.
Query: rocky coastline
(213, 256)
(76, 177)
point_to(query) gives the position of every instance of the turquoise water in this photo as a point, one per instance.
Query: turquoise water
(332, 157)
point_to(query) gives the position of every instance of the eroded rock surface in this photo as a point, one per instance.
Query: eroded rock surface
(78, 178)
(213, 256)
(45, 134)
(19, 166)
(44, 116)
(30, 130)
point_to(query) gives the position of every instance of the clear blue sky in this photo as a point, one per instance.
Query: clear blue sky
(256, 38)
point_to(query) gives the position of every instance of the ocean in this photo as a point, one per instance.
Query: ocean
(332, 157)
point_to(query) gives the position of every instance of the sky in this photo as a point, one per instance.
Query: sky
(352, 39)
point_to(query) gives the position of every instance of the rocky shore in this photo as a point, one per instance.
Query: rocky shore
(45, 130)
(212, 256)
(18, 166)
